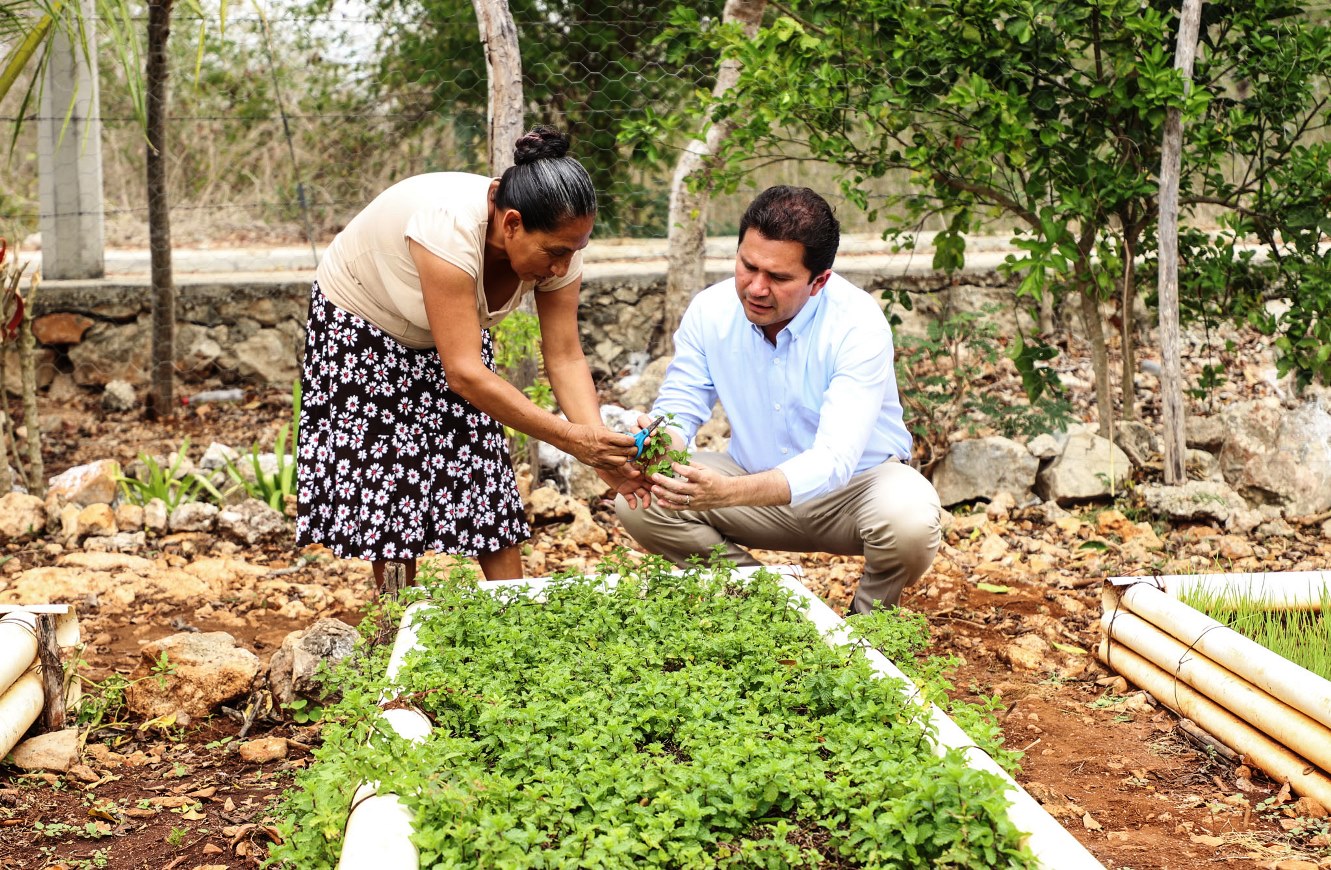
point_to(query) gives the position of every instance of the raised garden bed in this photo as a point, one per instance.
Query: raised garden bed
(1260, 705)
(636, 718)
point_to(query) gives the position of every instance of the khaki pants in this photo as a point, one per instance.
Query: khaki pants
(888, 514)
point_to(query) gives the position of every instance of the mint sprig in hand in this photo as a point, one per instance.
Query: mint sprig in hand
(657, 453)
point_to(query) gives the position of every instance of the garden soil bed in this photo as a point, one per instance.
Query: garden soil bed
(1115, 769)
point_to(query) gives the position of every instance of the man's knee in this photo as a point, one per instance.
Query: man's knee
(903, 522)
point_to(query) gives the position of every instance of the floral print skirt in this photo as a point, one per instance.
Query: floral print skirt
(391, 463)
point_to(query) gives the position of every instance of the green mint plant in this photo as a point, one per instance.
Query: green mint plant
(167, 484)
(274, 488)
(659, 720)
(658, 451)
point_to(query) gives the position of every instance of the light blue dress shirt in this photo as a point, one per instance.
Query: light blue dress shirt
(821, 405)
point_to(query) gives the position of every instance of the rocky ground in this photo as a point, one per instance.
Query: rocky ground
(1014, 594)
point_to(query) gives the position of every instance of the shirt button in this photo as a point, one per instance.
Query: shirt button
(784, 450)
(778, 406)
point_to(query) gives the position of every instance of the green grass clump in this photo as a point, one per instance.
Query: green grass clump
(1301, 636)
(682, 722)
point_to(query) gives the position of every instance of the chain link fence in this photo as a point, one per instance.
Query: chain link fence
(302, 115)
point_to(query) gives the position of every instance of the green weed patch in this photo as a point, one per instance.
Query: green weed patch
(694, 721)
(1301, 636)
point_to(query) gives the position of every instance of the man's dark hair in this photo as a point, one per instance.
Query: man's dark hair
(796, 214)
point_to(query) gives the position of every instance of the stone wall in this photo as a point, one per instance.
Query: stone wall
(251, 328)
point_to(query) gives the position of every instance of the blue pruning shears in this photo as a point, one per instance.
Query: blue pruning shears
(640, 438)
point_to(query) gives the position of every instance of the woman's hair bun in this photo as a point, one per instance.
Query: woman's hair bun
(539, 143)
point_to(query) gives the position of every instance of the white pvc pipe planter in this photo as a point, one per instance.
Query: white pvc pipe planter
(378, 834)
(21, 694)
(1259, 704)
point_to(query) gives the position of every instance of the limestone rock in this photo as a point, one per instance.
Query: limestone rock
(1201, 465)
(43, 364)
(1045, 446)
(22, 516)
(1194, 500)
(982, 468)
(97, 520)
(1279, 458)
(263, 750)
(643, 392)
(1204, 433)
(119, 397)
(112, 351)
(155, 516)
(293, 667)
(584, 530)
(56, 750)
(129, 517)
(86, 484)
(208, 670)
(251, 521)
(123, 542)
(193, 516)
(1137, 441)
(1028, 652)
(1089, 467)
(60, 328)
(549, 504)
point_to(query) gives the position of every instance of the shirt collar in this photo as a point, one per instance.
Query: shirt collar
(801, 323)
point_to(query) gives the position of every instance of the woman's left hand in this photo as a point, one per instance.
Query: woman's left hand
(629, 483)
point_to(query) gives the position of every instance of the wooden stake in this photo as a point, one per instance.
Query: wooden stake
(53, 674)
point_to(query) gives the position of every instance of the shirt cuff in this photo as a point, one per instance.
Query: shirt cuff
(808, 477)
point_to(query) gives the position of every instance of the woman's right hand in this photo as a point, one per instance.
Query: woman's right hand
(602, 448)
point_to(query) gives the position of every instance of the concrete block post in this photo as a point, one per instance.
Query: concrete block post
(69, 152)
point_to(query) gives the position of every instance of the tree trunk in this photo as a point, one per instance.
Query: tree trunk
(1091, 320)
(162, 397)
(1171, 375)
(1129, 301)
(6, 476)
(36, 473)
(688, 208)
(503, 66)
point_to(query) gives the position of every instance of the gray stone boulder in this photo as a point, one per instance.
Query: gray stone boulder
(981, 468)
(82, 485)
(1279, 458)
(193, 516)
(1089, 467)
(1138, 441)
(643, 392)
(22, 516)
(1203, 500)
(251, 521)
(207, 669)
(119, 397)
(1204, 433)
(295, 665)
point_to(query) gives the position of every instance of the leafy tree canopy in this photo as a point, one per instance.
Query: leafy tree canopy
(586, 66)
(1049, 115)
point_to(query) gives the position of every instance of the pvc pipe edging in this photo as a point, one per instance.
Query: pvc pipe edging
(1277, 761)
(18, 646)
(1296, 686)
(19, 708)
(1287, 726)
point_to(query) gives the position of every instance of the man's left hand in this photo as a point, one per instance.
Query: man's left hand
(693, 488)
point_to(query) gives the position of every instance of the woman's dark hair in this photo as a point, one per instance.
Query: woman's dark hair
(796, 214)
(544, 185)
